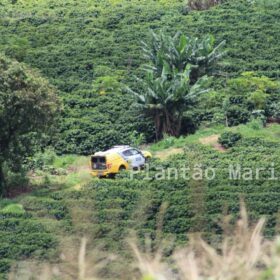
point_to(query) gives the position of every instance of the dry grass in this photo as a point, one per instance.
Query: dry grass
(203, 4)
(243, 254)
(165, 154)
(213, 142)
(76, 263)
(209, 140)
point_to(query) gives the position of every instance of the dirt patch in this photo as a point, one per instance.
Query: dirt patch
(78, 187)
(209, 140)
(212, 141)
(163, 155)
(77, 169)
(219, 147)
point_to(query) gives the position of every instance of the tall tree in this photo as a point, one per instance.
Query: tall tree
(28, 106)
(166, 98)
(175, 76)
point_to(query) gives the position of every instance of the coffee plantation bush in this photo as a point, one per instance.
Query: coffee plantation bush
(23, 237)
(229, 139)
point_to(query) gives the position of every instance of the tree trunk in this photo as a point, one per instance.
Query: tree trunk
(226, 121)
(169, 124)
(165, 124)
(173, 126)
(157, 126)
(2, 180)
(179, 126)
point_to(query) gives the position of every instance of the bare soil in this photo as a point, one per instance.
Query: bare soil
(212, 141)
(163, 155)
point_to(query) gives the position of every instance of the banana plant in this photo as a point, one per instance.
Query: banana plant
(180, 50)
(166, 97)
(175, 77)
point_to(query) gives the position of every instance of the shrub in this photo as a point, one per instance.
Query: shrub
(13, 209)
(256, 124)
(22, 237)
(229, 139)
(16, 179)
(273, 110)
(39, 160)
(236, 115)
(250, 95)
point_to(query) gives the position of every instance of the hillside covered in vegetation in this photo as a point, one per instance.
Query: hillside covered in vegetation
(196, 85)
(68, 204)
(91, 50)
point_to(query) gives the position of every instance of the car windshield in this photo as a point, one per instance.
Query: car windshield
(127, 153)
(134, 152)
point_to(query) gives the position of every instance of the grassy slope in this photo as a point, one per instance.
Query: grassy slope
(67, 40)
(250, 130)
(107, 210)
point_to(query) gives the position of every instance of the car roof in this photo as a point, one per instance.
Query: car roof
(114, 149)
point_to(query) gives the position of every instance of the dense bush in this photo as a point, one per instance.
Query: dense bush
(229, 139)
(28, 108)
(237, 115)
(46, 207)
(23, 237)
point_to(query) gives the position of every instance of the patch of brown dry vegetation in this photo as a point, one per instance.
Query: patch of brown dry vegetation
(165, 154)
(212, 141)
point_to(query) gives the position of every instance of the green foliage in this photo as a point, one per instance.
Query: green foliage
(46, 207)
(247, 96)
(136, 139)
(166, 142)
(274, 109)
(88, 50)
(124, 204)
(110, 209)
(181, 50)
(107, 120)
(14, 209)
(28, 106)
(256, 124)
(175, 77)
(107, 81)
(41, 159)
(236, 115)
(256, 89)
(49, 161)
(165, 98)
(75, 43)
(22, 237)
(229, 139)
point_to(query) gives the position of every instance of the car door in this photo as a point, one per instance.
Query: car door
(134, 157)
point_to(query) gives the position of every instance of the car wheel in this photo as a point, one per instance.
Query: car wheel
(112, 176)
(147, 159)
(122, 168)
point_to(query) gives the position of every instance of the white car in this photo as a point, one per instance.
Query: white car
(133, 156)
